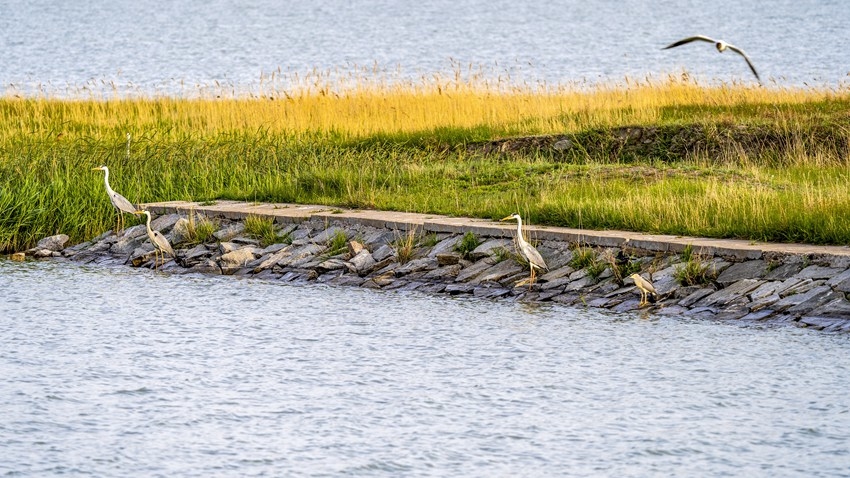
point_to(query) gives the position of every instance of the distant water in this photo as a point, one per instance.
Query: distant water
(150, 47)
(124, 372)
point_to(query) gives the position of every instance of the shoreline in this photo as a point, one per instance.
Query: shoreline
(739, 281)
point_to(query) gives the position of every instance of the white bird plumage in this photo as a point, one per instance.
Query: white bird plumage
(119, 202)
(645, 288)
(720, 45)
(535, 260)
(159, 242)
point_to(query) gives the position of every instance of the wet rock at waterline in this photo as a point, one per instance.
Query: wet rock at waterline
(806, 291)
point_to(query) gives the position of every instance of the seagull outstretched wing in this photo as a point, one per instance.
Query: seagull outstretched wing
(690, 39)
(749, 63)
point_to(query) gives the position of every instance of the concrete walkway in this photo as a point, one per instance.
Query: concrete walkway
(296, 213)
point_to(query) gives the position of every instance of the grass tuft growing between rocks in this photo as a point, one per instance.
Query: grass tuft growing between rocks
(693, 270)
(467, 244)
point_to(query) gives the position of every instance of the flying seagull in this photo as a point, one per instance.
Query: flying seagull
(720, 45)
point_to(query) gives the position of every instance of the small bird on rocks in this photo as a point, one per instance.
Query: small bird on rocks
(646, 289)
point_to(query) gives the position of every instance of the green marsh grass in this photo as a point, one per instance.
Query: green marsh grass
(199, 229)
(262, 229)
(405, 148)
(467, 244)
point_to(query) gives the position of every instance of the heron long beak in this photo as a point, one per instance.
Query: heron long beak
(138, 212)
(506, 218)
(96, 169)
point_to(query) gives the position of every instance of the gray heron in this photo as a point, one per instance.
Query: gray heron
(535, 260)
(119, 202)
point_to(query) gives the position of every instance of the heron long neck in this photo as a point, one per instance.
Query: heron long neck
(106, 181)
(519, 229)
(148, 224)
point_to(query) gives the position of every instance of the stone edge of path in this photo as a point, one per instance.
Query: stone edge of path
(738, 250)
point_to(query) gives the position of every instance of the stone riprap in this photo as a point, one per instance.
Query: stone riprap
(695, 278)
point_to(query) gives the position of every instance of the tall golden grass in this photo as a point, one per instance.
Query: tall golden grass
(400, 146)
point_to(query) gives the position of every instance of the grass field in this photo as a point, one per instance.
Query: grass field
(664, 157)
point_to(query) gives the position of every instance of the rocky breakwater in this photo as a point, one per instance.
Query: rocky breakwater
(692, 280)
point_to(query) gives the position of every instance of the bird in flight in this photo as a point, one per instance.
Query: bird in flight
(720, 45)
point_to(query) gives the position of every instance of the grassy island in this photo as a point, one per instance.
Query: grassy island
(670, 157)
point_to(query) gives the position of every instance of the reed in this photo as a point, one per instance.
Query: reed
(409, 148)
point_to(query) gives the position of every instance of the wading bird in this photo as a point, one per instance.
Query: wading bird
(535, 260)
(646, 288)
(120, 203)
(159, 242)
(720, 45)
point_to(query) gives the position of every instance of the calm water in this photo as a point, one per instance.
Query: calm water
(121, 372)
(170, 47)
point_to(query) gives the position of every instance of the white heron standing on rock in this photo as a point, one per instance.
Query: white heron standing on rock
(535, 260)
(159, 242)
(646, 288)
(721, 47)
(119, 202)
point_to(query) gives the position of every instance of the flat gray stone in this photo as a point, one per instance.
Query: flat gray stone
(416, 265)
(299, 253)
(839, 307)
(759, 315)
(53, 243)
(444, 273)
(330, 265)
(447, 258)
(489, 248)
(239, 257)
(696, 296)
(196, 252)
(470, 272)
(818, 272)
(800, 286)
(165, 222)
(483, 292)
(127, 245)
(764, 302)
(554, 284)
(269, 260)
(685, 291)
(665, 281)
(245, 241)
(383, 252)
(732, 313)
(784, 271)
(273, 248)
(459, 288)
(446, 246)
(815, 301)
(742, 270)
(579, 284)
(734, 293)
(498, 272)
(563, 271)
(230, 231)
(841, 282)
(327, 235)
(363, 262)
(794, 300)
(377, 238)
(820, 323)
(225, 247)
(767, 289)
(207, 266)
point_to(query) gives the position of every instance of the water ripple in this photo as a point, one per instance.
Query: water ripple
(394, 384)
